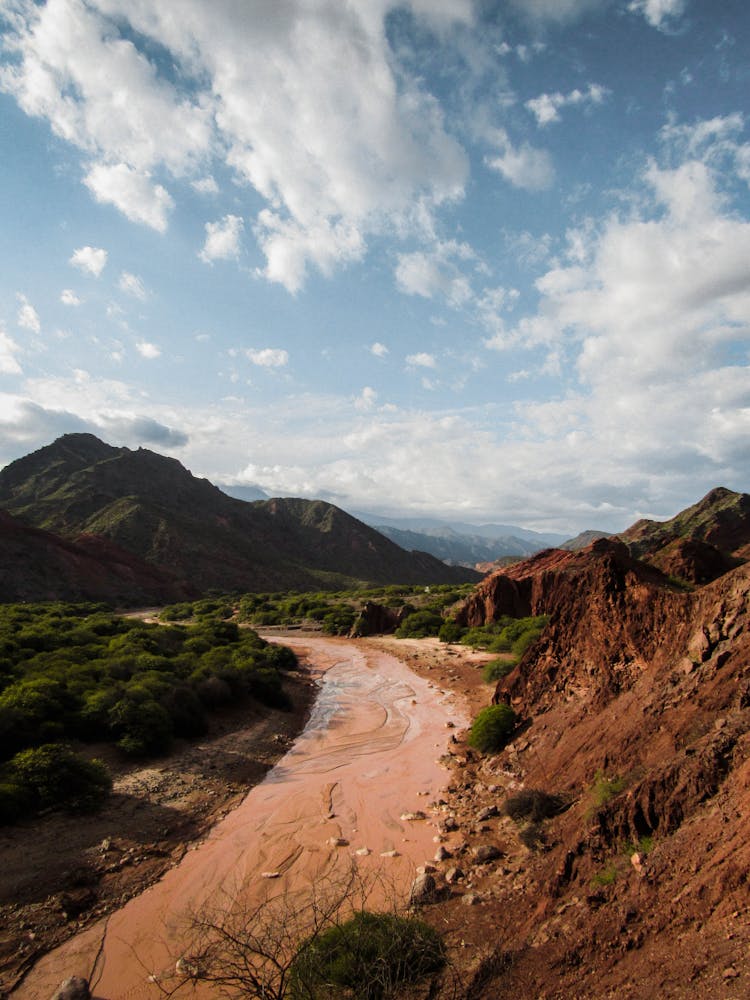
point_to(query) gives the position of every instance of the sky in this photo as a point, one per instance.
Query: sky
(464, 259)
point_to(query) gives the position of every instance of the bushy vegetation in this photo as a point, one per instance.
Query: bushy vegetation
(336, 612)
(533, 804)
(495, 670)
(492, 728)
(603, 790)
(48, 776)
(506, 635)
(80, 673)
(368, 957)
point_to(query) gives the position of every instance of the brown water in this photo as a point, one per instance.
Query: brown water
(367, 756)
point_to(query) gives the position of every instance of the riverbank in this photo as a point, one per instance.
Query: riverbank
(61, 873)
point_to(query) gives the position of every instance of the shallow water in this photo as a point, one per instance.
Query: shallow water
(367, 756)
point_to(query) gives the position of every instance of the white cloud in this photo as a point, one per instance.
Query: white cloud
(524, 166)
(658, 12)
(378, 349)
(268, 357)
(433, 273)
(421, 360)
(132, 192)
(147, 350)
(91, 260)
(69, 298)
(8, 350)
(131, 284)
(205, 185)
(27, 316)
(546, 107)
(366, 399)
(345, 142)
(222, 239)
(557, 10)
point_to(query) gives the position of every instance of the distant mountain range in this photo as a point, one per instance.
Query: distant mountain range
(149, 510)
(459, 543)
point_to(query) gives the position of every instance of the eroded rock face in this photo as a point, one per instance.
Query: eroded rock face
(376, 619)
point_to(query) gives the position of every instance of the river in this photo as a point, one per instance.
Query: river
(367, 757)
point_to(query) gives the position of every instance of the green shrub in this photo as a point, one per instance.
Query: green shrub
(372, 956)
(419, 624)
(451, 631)
(492, 728)
(495, 670)
(53, 775)
(602, 790)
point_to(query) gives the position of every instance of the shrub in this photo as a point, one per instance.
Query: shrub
(495, 670)
(451, 631)
(419, 625)
(533, 804)
(492, 728)
(602, 790)
(53, 775)
(368, 957)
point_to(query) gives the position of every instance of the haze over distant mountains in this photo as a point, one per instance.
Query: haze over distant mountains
(150, 510)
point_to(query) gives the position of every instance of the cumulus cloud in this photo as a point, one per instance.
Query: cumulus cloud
(432, 273)
(421, 360)
(366, 399)
(378, 349)
(8, 350)
(546, 107)
(222, 239)
(268, 357)
(91, 260)
(131, 284)
(658, 13)
(131, 191)
(27, 316)
(524, 166)
(147, 350)
(343, 143)
(69, 298)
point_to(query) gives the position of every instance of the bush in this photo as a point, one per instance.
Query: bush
(419, 625)
(492, 728)
(368, 957)
(451, 631)
(495, 670)
(533, 804)
(53, 775)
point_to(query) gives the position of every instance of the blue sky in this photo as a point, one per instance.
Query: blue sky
(465, 259)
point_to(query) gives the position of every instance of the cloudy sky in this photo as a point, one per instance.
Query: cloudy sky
(475, 258)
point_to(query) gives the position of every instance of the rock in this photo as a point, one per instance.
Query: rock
(442, 854)
(423, 889)
(426, 868)
(636, 861)
(74, 988)
(487, 852)
(338, 842)
(471, 899)
(453, 875)
(487, 813)
(418, 814)
(389, 854)
(730, 973)
(363, 852)
(447, 824)
(270, 874)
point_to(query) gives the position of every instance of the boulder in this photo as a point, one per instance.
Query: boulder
(423, 890)
(74, 988)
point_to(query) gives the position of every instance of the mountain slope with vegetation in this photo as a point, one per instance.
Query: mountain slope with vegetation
(153, 508)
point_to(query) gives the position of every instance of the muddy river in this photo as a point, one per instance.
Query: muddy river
(367, 759)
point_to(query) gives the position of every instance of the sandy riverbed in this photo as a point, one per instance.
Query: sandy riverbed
(368, 756)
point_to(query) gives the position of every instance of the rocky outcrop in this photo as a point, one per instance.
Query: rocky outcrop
(376, 619)
(693, 561)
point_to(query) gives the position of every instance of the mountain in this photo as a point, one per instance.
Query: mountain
(460, 543)
(583, 539)
(153, 508)
(455, 548)
(721, 519)
(248, 493)
(39, 566)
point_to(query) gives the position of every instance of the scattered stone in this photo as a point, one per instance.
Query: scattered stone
(418, 814)
(487, 852)
(338, 842)
(471, 899)
(453, 875)
(730, 973)
(389, 854)
(427, 867)
(74, 988)
(423, 889)
(270, 874)
(487, 813)
(447, 824)
(636, 861)
(363, 852)
(442, 853)
(450, 725)
(184, 967)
